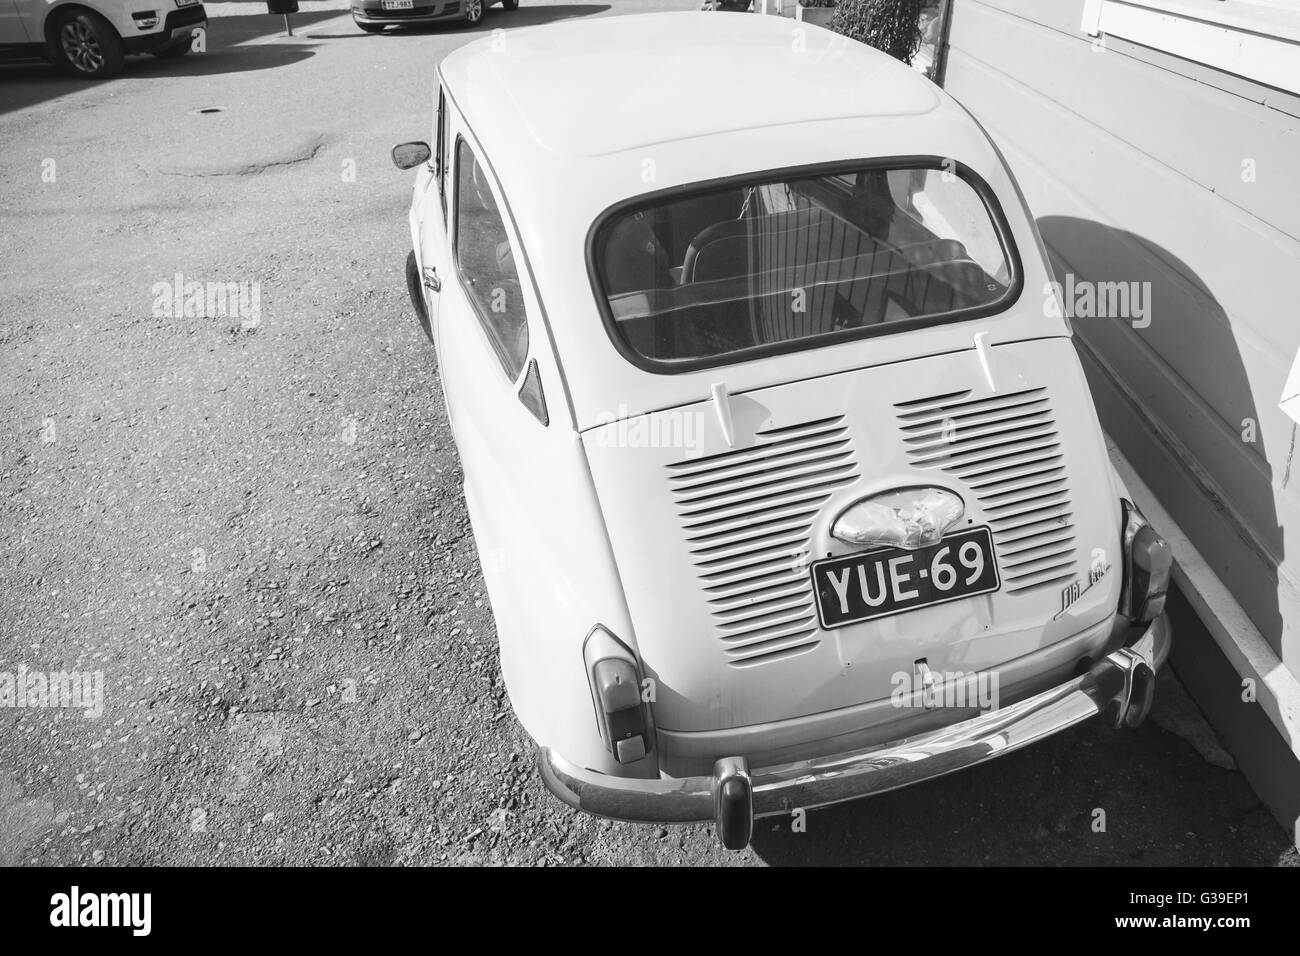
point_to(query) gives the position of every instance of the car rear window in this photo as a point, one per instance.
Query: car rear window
(730, 272)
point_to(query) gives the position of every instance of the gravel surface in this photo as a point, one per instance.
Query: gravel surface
(255, 529)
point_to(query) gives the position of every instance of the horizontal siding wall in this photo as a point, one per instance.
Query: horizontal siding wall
(1134, 173)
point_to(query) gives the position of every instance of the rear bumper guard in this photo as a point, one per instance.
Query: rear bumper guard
(1120, 687)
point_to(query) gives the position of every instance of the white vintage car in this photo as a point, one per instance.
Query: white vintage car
(784, 474)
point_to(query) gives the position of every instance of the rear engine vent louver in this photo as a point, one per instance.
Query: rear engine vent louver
(747, 515)
(1007, 451)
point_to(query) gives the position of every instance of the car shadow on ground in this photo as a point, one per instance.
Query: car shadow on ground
(1182, 396)
(1088, 796)
(1091, 795)
(229, 50)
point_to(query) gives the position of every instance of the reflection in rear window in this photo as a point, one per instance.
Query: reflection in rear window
(694, 279)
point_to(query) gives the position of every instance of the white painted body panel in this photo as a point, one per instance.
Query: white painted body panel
(537, 528)
(717, 668)
(575, 531)
(832, 100)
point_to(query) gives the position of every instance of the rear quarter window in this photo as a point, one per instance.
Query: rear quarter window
(486, 263)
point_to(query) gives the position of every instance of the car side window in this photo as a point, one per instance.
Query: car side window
(486, 263)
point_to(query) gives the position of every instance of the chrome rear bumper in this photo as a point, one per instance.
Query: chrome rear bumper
(1120, 686)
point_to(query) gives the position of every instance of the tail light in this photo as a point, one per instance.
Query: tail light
(1148, 563)
(621, 714)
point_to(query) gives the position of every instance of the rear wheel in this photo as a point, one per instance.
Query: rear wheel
(474, 10)
(86, 45)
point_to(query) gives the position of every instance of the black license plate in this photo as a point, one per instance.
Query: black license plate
(871, 584)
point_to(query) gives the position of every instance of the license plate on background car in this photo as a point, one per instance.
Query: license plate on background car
(398, 4)
(186, 3)
(859, 587)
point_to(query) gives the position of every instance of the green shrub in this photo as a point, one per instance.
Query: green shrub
(893, 26)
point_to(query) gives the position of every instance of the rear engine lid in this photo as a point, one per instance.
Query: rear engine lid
(715, 541)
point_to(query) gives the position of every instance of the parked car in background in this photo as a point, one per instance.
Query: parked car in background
(785, 478)
(374, 15)
(92, 38)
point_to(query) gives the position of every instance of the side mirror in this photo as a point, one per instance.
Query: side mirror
(410, 155)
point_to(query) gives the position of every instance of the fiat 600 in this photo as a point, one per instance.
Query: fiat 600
(782, 469)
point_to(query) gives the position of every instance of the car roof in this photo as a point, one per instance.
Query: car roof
(542, 87)
(575, 117)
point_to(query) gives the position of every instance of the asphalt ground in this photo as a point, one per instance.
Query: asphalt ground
(255, 529)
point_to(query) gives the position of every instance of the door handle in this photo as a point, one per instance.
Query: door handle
(431, 280)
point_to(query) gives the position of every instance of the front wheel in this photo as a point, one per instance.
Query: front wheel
(474, 10)
(87, 45)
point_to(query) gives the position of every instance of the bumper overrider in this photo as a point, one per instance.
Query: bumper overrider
(1120, 687)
